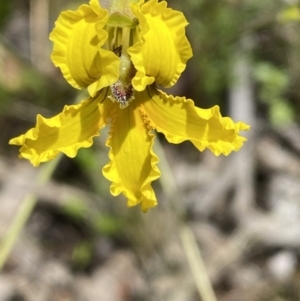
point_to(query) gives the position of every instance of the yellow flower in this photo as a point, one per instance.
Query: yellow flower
(119, 56)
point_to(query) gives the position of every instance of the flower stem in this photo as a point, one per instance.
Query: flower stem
(186, 235)
(24, 212)
(196, 263)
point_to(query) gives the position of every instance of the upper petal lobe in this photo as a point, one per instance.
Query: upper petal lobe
(78, 37)
(163, 49)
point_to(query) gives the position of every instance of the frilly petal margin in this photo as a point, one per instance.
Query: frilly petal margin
(66, 132)
(179, 120)
(132, 165)
(163, 49)
(77, 37)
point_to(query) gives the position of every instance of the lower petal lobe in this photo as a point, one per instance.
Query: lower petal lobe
(66, 132)
(133, 163)
(179, 120)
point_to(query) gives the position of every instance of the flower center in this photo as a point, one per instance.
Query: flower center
(122, 90)
(122, 32)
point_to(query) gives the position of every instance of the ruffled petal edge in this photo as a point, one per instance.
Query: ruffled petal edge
(37, 157)
(175, 20)
(147, 197)
(229, 141)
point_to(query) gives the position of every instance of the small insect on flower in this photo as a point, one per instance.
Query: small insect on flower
(122, 93)
(122, 89)
(118, 51)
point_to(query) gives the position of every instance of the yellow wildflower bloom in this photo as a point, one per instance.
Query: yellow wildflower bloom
(119, 56)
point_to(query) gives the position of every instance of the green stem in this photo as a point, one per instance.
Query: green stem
(186, 234)
(196, 264)
(24, 212)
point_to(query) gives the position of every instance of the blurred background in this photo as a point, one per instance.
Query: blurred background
(80, 243)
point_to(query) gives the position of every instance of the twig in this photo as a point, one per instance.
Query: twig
(242, 107)
(39, 43)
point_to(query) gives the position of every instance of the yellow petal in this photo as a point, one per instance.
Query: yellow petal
(179, 120)
(66, 132)
(133, 162)
(163, 49)
(78, 36)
